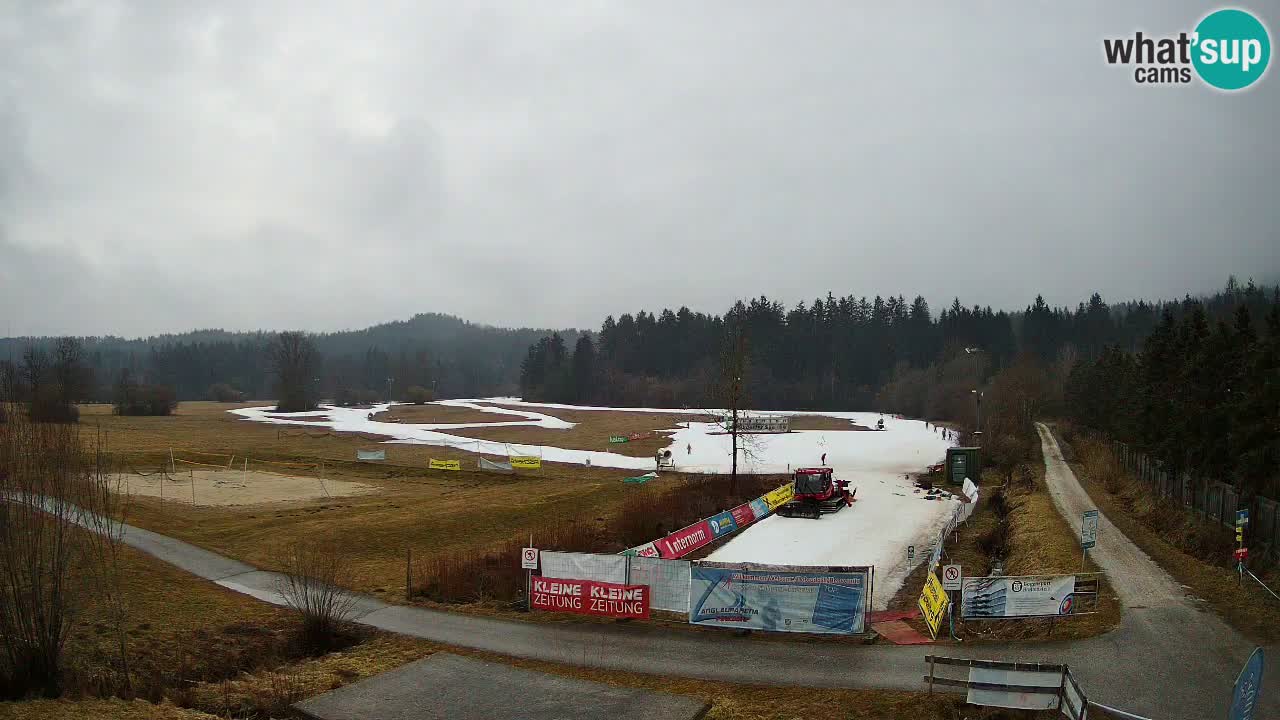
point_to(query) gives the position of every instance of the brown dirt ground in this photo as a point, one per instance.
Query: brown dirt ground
(233, 487)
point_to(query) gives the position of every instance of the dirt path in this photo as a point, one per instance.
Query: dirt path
(1165, 632)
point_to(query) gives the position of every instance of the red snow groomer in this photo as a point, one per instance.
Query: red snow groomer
(817, 492)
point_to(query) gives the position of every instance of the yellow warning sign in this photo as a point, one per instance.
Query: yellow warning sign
(933, 603)
(445, 464)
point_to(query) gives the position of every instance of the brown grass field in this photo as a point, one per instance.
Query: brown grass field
(431, 413)
(592, 431)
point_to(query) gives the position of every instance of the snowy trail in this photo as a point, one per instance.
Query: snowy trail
(356, 420)
(887, 517)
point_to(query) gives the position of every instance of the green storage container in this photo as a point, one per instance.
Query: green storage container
(963, 462)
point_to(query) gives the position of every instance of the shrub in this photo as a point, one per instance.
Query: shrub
(54, 485)
(469, 575)
(314, 573)
(47, 405)
(133, 399)
(222, 392)
(418, 395)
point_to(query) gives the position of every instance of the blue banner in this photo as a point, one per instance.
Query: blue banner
(760, 508)
(779, 598)
(1248, 687)
(722, 524)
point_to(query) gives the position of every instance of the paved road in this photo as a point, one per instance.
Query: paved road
(1167, 659)
(445, 686)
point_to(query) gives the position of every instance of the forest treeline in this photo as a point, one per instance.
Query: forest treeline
(840, 353)
(1194, 382)
(442, 353)
(1201, 395)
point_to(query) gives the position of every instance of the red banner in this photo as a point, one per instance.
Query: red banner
(743, 515)
(683, 542)
(588, 597)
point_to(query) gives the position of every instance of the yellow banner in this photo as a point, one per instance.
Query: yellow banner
(777, 498)
(933, 603)
(528, 462)
(445, 464)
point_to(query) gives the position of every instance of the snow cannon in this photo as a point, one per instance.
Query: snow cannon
(663, 458)
(817, 492)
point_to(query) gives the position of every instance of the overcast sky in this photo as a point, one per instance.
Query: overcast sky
(168, 165)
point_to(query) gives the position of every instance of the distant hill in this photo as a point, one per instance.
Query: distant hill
(459, 358)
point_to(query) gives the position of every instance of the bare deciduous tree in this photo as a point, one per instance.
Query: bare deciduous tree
(58, 523)
(314, 573)
(295, 362)
(730, 392)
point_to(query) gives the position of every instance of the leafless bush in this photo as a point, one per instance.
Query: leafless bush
(315, 571)
(58, 529)
(222, 392)
(418, 395)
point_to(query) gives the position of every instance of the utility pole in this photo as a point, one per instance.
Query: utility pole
(389, 389)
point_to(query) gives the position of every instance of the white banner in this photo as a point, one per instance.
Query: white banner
(1050, 681)
(668, 582)
(490, 465)
(585, 566)
(371, 454)
(1010, 597)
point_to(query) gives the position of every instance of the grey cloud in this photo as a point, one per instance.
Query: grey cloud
(333, 164)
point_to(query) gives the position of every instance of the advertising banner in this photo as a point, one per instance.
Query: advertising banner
(371, 454)
(777, 498)
(682, 542)
(445, 464)
(647, 550)
(722, 524)
(933, 603)
(779, 598)
(617, 439)
(743, 515)
(1013, 597)
(588, 597)
(760, 508)
(667, 580)
(528, 462)
(584, 566)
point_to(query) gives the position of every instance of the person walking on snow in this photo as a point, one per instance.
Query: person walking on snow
(688, 449)
(824, 459)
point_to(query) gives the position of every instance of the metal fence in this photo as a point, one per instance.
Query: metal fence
(1213, 501)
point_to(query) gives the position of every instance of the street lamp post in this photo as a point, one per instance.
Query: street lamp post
(977, 394)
